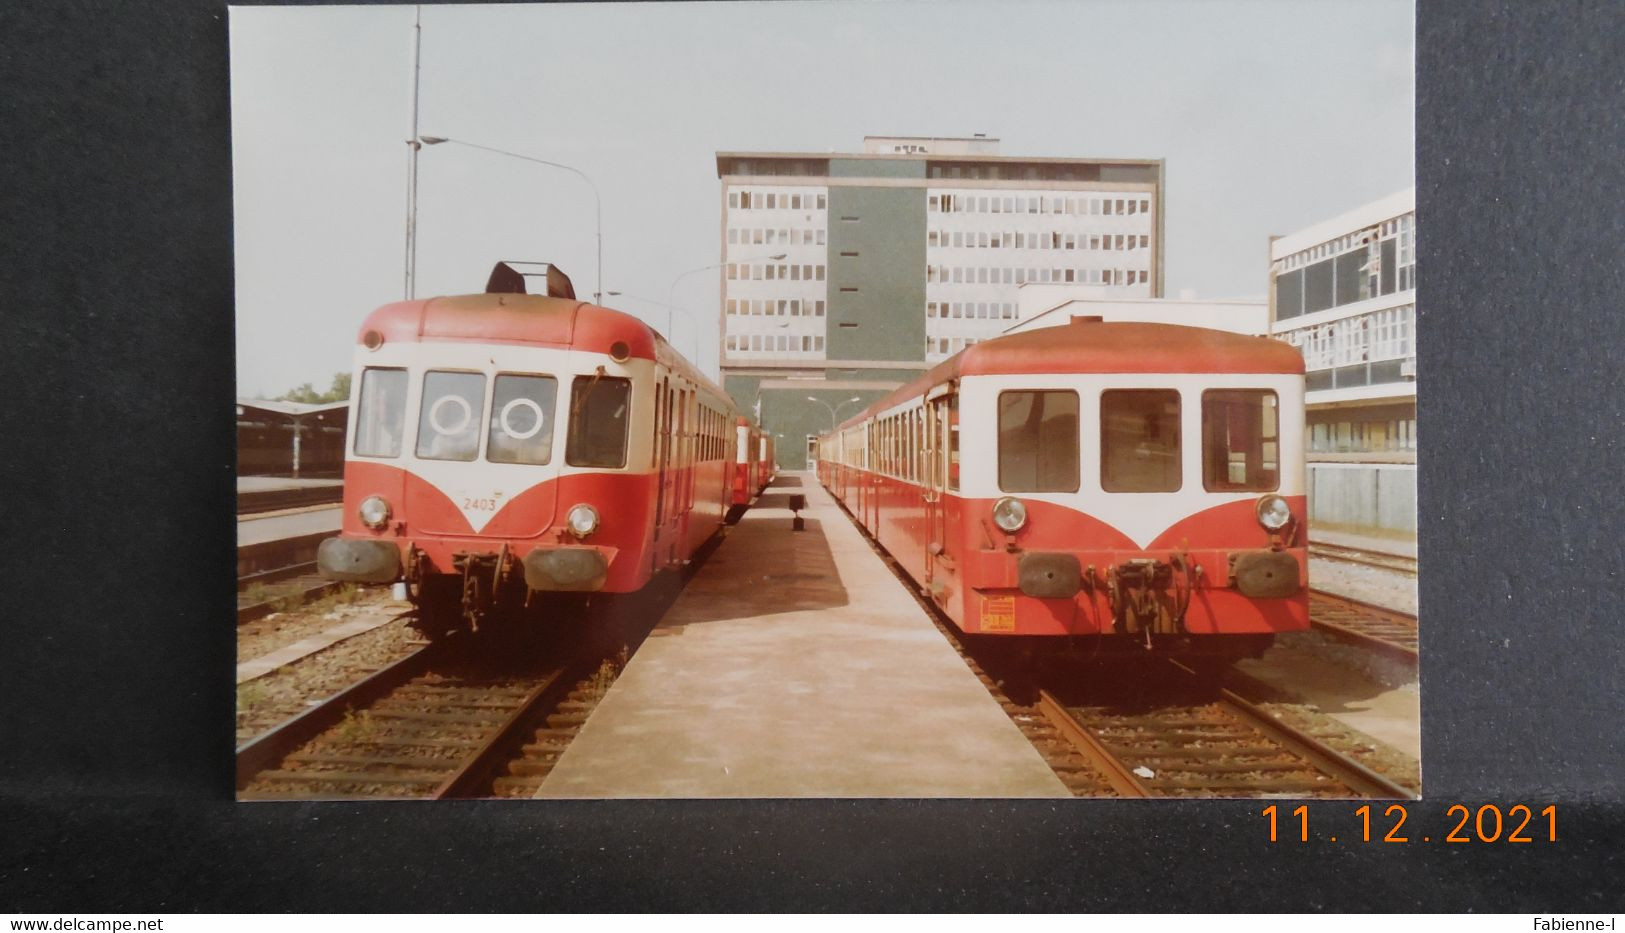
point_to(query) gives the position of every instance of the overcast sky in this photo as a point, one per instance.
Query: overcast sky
(1271, 116)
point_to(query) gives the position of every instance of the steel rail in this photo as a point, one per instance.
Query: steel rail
(474, 776)
(1397, 650)
(1399, 563)
(269, 748)
(1118, 775)
(1357, 777)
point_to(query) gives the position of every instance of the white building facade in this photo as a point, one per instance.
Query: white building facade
(846, 274)
(1344, 293)
(982, 247)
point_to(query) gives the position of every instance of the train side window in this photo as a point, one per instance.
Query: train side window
(521, 419)
(1139, 440)
(381, 413)
(449, 418)
(600, 410)
(1038, 441)
(953, 442)
(1241, 440)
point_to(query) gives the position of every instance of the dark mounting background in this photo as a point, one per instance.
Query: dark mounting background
(117, 507)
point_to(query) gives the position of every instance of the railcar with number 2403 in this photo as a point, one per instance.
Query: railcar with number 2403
(513, 453)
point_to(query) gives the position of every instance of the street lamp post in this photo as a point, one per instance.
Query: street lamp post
(659, 304)
(597, 202)
(834, 410)
(671, 296)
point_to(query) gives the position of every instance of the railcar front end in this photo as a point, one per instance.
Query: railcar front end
(504, 448)
(1134, 485)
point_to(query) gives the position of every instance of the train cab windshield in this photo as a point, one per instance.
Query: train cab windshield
(1038, 441)
(1140, 443)
(598, 422)
(449, 417)
(521, 428)
(1241, 440)
(381, 413)
(1139, 440)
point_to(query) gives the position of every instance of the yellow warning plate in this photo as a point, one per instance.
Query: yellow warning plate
(998, 614)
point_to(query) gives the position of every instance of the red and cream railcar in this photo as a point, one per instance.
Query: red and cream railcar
(1144, 481)
(753, 464)
(766, 462)
(505, 446)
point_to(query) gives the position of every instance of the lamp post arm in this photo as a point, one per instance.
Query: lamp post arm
(671, 293)
(597, 201)
(832, 411)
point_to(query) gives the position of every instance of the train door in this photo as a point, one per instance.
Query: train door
(872, 492)
(685, 435)
(662, 449)
(935, 480)
(860, 477)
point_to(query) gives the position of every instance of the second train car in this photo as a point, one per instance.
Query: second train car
(1120, 485)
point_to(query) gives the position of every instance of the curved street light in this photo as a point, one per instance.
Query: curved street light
(834, 410)
(671, 297)
(597, 202)
(660, 304)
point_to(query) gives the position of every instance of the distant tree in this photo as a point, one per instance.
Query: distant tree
(339, 391)
(306, 394)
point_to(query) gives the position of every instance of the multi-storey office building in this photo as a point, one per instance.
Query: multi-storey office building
(1344, 292)
(845, 274)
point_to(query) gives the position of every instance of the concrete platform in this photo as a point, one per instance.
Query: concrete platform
(275, 543)
(252, 531)
(796, 665)
(265, 493)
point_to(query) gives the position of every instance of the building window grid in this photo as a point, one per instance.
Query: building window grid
(1358, 437)
(1097, 206)
(1402, 227)
(1376, 336)
(794, 199)
(780, 199)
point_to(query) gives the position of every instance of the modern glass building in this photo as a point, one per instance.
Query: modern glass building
(846, 274)
(1344, 292)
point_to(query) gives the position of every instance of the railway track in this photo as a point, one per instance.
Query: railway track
(467, 717)
(1190, 739)
(286, 593)
(1385, 631)
(1349, 555)
(450, 720)
(1224, 746)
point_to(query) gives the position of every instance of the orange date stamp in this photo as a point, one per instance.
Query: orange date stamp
(1488, 823)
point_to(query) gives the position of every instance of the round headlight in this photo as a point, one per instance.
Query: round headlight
(1273, 512)
(583, 520)
(374, 512)
(1009, 514)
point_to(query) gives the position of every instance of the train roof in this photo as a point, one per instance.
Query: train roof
(1095, 346)
(526, 319)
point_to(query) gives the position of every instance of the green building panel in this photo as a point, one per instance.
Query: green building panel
(792, 416)
(876, 272)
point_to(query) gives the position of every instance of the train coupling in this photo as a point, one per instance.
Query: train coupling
(1150, 596)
